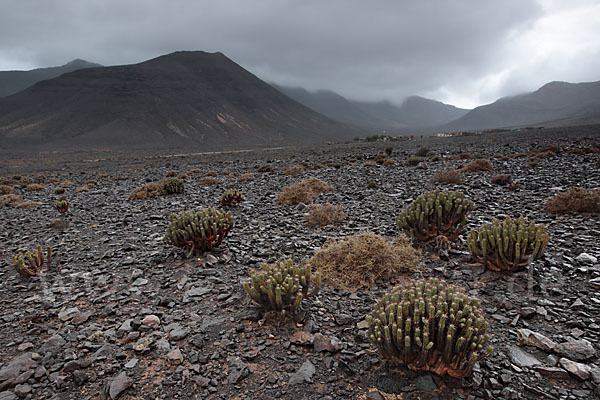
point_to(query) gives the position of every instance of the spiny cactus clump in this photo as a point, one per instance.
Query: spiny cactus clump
(198, 230)
(282, 286)
(508, 245)
(231, 198)
(172, 185)
(429, 325)
(31, 263)
(435, 214)
(62, 205)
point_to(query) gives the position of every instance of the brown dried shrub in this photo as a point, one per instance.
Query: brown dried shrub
(34, 187)
(28, 204)
(575, 200)
(502, 180)
(294, 170)
(10, 200)
(6, 189)
(302, 192)
(246, 177)
(171, 174)
(324, 214)
(147, 191)
(66, 183)
(194, 171)
(389, 162)
(478, 165)
(264, 168)
(380, 158)
(370, 164)
(208, 181)
(360, 260)
(211, 173)
(448, 176)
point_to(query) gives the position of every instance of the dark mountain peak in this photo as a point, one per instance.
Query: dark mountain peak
(182, 99)
(187, 58)
(79, 63)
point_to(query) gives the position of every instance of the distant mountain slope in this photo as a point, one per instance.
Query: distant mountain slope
(553, 102)
(186, 99)
(332, 105)
(12, 82)
(415, 112)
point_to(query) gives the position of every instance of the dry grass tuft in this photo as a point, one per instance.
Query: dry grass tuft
(86, 187)
(324, 214)
(147, 191)
(389, 162)
(264, 168)
(447, 176)
(194, 171)
(28, 204)
(6, 189)
(10, 200)
(414, 160)
(34, 187)
(208, 181)
(302, 192)
(171, 174)
(360, 260)
(575, 200)
(294, 170)
(66, 183)
(246, 177)
(478, 165)
(502, 180)
(211, 173)
(370, 164)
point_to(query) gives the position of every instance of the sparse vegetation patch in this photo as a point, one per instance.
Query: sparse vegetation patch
(360, 260)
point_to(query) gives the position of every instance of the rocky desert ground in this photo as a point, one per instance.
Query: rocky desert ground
(124, 315)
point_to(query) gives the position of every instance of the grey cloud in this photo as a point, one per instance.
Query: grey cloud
(364, 50)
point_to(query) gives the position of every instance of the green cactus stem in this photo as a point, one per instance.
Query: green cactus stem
(231, 198)
(429, 325)
(172, 185)
(435, 214)
(31, 263)
(282, 286)
(508, 245)
(198, 231)
(62, 205)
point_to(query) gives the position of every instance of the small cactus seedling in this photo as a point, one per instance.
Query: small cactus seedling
(429, 325)
(435, 214)
(62, 205)
(32, 263)
(231, 198)
(282, 286)
(172, 185)
(198, 230)
(508, 245)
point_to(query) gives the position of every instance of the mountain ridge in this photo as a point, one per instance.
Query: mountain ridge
(12, 82)
(179, 99)
(414, 113)
(552, 102)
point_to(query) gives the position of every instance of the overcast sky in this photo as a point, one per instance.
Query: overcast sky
(462, 52)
